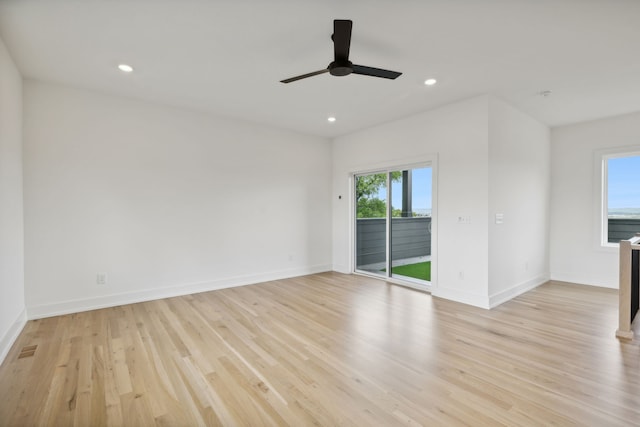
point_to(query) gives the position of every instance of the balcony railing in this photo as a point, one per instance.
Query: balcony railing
(622, 229)
(411, 238)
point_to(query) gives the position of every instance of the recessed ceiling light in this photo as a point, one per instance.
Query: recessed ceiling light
(331, 119)
(430, 82)
(125, 68)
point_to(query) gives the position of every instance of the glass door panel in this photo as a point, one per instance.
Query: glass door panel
(371, 223)
(410, 227)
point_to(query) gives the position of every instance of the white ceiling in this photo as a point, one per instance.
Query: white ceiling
(228, 56)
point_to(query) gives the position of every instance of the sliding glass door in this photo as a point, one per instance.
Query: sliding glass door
(393, 224)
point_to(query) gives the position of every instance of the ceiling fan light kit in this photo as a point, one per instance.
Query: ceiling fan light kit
(341, 66)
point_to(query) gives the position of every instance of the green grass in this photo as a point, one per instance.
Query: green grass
(420, 270)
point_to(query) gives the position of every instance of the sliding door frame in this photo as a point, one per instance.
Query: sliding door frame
(387, 168)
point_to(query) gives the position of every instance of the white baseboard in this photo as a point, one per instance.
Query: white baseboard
(602, 282)
(488, 302)
(75, 306)
(504, 296)
(12, 334)
(341, 269)
(481, 301)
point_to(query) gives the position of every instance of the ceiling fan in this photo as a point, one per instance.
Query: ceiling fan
(341, 66)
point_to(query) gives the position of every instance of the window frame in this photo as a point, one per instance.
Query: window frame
(601, 170)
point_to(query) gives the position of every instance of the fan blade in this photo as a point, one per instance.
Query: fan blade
(375, 72)
(341, 39)
(304, 76)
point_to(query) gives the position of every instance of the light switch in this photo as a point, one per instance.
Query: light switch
(464, 219)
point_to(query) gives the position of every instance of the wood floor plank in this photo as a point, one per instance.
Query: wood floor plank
(328, 349)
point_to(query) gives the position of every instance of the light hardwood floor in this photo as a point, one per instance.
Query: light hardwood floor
(328, 349)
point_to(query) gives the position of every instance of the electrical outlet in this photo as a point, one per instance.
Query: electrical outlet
(101, 278)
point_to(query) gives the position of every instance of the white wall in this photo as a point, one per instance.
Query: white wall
(490, 158)
(457, 137)
(576, 255)
(519, 173)
(12, 306)
(163, 200)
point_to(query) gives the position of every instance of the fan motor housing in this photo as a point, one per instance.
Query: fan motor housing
(340, 68)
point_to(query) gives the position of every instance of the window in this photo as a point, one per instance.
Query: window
(621, 197)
